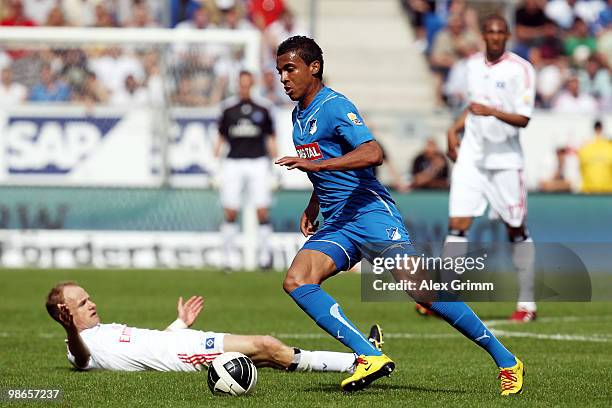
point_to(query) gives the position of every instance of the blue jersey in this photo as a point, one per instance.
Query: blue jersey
(331, 127)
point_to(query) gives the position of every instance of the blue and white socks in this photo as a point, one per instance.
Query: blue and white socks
(326, 312)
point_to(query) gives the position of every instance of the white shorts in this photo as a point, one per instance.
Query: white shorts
(473, 187)
(251, 176)
(204, 349)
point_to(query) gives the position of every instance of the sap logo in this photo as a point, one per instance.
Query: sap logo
(191, 146)
(52, 145)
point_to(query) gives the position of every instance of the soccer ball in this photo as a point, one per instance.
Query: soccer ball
(232, 373)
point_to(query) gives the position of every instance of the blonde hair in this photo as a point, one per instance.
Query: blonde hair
(55, 297)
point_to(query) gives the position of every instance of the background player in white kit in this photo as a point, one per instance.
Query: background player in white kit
(246, 125)
(119, 347)
(489, 168)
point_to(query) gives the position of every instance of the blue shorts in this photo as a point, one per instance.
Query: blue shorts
(364, 236)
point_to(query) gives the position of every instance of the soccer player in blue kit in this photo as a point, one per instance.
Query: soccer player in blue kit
(337, 151)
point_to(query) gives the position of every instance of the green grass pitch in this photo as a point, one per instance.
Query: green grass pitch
(567, 353)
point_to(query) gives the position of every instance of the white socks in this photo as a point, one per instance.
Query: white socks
(264, 235)
(325, 361)
(231, 256)
(523, 257)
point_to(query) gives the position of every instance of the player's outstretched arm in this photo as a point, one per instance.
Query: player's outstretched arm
(188, 312)
(513, 119)
(75, 343)
(452, 136)
(368, 154)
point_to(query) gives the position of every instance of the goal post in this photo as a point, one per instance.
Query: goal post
(97, 133)
(62, 36)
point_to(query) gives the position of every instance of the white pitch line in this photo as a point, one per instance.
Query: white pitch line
(303, 336)
(560, 337)
(560, 319)
(499, 333)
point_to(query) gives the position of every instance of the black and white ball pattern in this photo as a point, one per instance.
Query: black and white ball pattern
(232, 373)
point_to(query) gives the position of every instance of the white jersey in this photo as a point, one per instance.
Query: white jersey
(119, 347)
(509, 86)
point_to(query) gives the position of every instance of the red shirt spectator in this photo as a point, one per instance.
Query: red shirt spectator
(15, 17)
(265, 12)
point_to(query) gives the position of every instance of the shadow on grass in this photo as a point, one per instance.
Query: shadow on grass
(334, 388)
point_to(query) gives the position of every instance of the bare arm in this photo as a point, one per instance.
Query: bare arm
(76, 345)
(188, 312)
(366, 155)
(218, 146)
(513, 119)
(452, 136)
(428, 176)
(271, 146)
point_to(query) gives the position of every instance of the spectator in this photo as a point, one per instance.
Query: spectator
(533, 28)
(91, 92)
(604, 46)
(187, 95)
(595, 80)
(200, 20)
(265, 12)
(579, 44)
(230, 17)
(419, 9)
(103, 16)
(74, 70)
(455, 88)
(141, 16)
(149, 12)
(38, 10)
(451, 45)
(572, 100)
(55, 18)
(80, 13)
(564, 12)
(132, 94)
(549, 81)
(182, 10)
(114, 65)
(278, 31)
(15, 15)
(557, 183)
(49, 89)
(429, 168)
(596, 163)
(5, 60)
(11, 92)
(561, 12)
(604, 20)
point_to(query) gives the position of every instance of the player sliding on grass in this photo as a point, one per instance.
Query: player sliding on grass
(337, 151)
(119, 347)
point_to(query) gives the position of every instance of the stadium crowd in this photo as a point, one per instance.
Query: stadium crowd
(569, 42)
(132, 75)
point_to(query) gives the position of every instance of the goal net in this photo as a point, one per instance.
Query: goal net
(105, 134)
